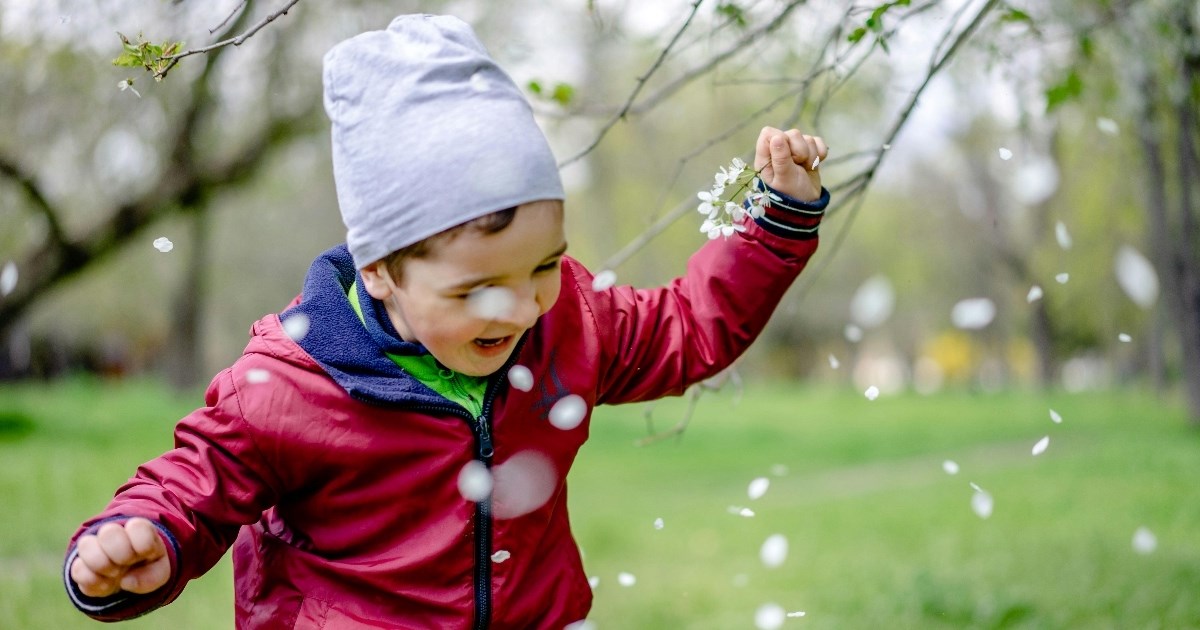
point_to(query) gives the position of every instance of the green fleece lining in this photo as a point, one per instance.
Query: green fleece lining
(467, 391)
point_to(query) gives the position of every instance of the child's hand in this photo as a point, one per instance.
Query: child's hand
(788, 161)
(117, 557)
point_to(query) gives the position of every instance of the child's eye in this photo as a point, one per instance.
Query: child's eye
(550, 266)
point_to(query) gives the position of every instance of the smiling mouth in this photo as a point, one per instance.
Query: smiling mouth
(491, 343)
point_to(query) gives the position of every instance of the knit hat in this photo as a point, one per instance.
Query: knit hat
(428, 133)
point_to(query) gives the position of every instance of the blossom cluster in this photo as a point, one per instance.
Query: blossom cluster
(726, 213)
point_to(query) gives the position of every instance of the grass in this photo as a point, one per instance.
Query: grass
(879, 535)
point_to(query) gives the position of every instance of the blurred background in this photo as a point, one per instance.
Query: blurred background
(1014, 237)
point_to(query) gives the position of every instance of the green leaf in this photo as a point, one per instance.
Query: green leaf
(1016, 15)
(563, 93)
(857, 35)
(733, 12)
(128, 60)
(1067, 89)
(535, 87)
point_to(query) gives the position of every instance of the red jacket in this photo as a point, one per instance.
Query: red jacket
(335, 481)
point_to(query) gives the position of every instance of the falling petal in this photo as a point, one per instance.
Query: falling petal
(1062, 236)
(475, 481)
(853, 333)
(163, 244)
(296, 326)
(887, 147)
(758, 487)
(594, 581)
(568, 412)
(798, 613)
(774, 551)
(981, 502)
(8, 278)
(740, 511)
(501, 556)
(1108, 126)
(1062, 278)
(975, 486)
(626, 579)
(1054, 417)
(492, 302)
(950, 466)
(872, 393)
(1041, 445)
(873, 302)
(769, 617)
(520, 377)
(658, 523)
(816, 162)
(1144, 541)
(1035, 294)
(833, 362)
(257, 375)
(1005, 154)
(604, 280)
(1136, 276)
(522, 484)
(973, 313)
(1124, 338)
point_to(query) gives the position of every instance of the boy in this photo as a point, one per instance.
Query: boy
(376, 468)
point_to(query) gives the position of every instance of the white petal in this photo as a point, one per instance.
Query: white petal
(758, 487)
(833, 362)
(981, 502)
(973, 313)
(658, 523)
(798, 613)
(520, 377)
(853, 333)
(714, 232)
(975, 487)
(594, 581)
(501, 556)
(1108, 126)
(296, 326)
(1062, 236)
(257, 375)
(738, 164)
(163, 244)
(769, 617)
(1062, 278)
(1136, 276)
(886, 147)
(816, 162)
(707, 226)
(475, 481)
(604, 280)
(872, 393)
(705, 196)
(774, 551)
(727, 230)
(1144, 541)
(492, 302)
(626, 579)
(8, 278)
(1035, 294)
(522, 484)
(1124, 338)
(1054, 417)
(950, 466)
(1041, 445)
(1005, 154)
(568, 412)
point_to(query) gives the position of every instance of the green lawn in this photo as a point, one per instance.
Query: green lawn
(879, 535)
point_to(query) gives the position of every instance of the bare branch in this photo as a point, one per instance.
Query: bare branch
(232, 13)
(235, 41)
(11, 170)
(636, 89)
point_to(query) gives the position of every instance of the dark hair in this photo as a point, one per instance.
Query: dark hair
(487, 224)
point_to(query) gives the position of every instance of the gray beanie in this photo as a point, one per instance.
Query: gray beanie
(428, 133)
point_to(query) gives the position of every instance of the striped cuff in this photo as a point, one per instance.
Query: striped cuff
(790, 217)
(120, 605)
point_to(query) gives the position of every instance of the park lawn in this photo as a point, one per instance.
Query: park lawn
(879, 535)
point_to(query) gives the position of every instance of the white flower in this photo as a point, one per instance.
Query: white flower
(709, 204)
(738, 165)
(127, 84)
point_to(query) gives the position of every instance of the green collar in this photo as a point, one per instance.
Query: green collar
(465, 390)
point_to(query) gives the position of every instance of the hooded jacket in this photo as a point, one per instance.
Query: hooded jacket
(334, 475)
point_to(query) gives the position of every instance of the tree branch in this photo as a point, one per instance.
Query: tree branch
(11, 170)
(235, 41)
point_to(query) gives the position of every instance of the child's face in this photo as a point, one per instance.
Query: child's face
(431, 305)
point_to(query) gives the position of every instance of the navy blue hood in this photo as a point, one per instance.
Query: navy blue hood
(353, 354)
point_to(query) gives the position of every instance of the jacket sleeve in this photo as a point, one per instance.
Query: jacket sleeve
(198, 495)
(657, 342)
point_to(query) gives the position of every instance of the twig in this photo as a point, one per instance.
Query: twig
(641, 82)
(236, 41)
(227, 18)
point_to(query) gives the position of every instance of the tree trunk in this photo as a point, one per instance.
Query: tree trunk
(185, 348)
(1186, 258)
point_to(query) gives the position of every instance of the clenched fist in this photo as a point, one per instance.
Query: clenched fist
(788, 161)
(129, 557)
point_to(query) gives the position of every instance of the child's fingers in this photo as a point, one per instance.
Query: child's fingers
(92, 555)
(91, 583)
(782, 160)
(144, 540)
(822, 148)
(147, 578)
(114, 542)
(762, 148)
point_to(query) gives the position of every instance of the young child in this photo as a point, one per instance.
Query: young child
(346, 455)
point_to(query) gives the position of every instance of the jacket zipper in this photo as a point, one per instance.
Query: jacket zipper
(484, 451)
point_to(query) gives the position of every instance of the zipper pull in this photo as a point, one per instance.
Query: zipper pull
(485, 439)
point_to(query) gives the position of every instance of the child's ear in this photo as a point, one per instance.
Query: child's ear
(376, 280)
